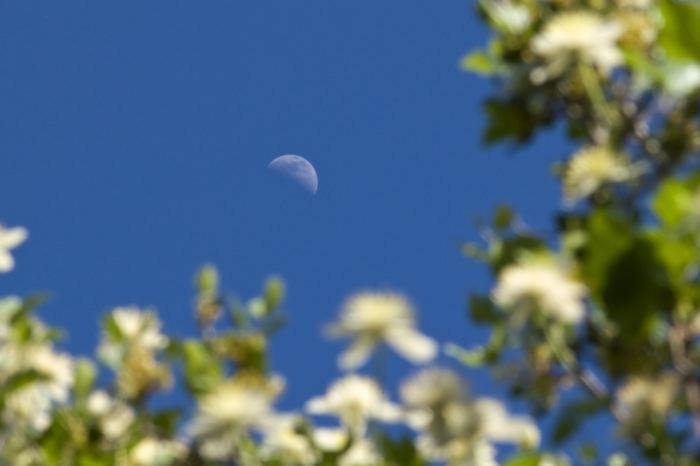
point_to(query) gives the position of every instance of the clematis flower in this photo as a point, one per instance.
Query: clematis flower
(592, 167)
(355, 400)
(373, 318)
(540, 286)
(227, 413)
(456, 428)
(581, 35)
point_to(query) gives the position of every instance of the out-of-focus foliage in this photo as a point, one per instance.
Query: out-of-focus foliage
(54, 411)
(600, 320)
(596, 323)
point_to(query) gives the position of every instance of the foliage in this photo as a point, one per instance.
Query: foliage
(599, 324)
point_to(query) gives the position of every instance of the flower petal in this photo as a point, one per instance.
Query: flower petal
(11, 237)
(7, 263)
(358, 353)
(412, 345)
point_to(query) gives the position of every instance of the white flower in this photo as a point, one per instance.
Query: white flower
(155, 452)
(455, 428)
(433, 387)
(643, 397)
(284, 442)
(508, 16)
(540, 285)
(117, 421)
(30, 406)
(139, 327)
(129, 328)
(361, 453)
(99, 403)
(57, 367)
(375, 318)
(355, 400)
(583, 35)
(329, 439)
(114, 417)
(681, 78)
(592, 167)
(10, 238)
(226, 413)
(33, 402)
(499, 426)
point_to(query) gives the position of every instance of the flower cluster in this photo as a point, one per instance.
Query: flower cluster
(47, 394)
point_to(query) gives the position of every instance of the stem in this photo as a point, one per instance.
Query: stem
(601, 107)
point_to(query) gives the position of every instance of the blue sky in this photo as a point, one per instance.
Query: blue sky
(135, 138)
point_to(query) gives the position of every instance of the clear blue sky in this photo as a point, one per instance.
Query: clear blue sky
(135, 138)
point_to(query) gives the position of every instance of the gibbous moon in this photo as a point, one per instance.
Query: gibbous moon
(297, 168)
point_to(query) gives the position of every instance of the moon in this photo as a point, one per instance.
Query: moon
(297, 168)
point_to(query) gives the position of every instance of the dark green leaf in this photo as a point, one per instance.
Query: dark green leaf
(508, 120)
(503, 217)
(482, 310)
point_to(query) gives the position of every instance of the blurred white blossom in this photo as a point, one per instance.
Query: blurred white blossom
(362, 453)
(581, 35)
(126, 328)
(139, 327)
(454, 427)
(330, 439)
(114, 417)
(374, 318)
(156, 452)
(227, 413)
(32, 403)
(507, 15)
(592, 167)
(540, 285)
(644, 398)
(10, 238)
(355, 400)
(284, 441)
(99, 403)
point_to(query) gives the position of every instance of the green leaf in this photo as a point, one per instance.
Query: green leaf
(524, 459)
(207, 280)
(508, 120)
(504, 252)
(607, 238)
(399, 452)
(274, 293)
(166, 420)
(680, 35)
(503, 217)
(85, 375)
(481, 355)
(479, 62)
(675, 199)
(625, 275)
(55, 440)
(112, 330)
(22, 379)
(482, 310)
(475, 357)
(202, 369)
(636, 290)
